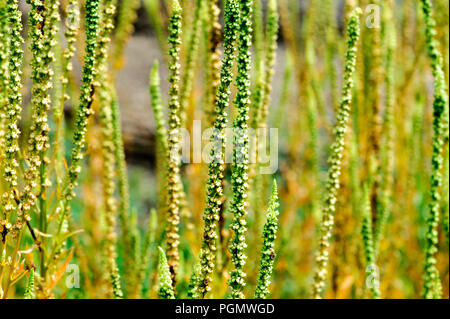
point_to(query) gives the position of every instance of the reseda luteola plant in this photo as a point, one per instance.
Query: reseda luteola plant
(86, 99)
(10, 163)
(13, 110)
(335, 159)
(65, 178)
(239, 176)
(268, 253)
(174, 140)
(108, 146)
(215, 191)
(432, 286)
(3, 70)
(70, 34)
(42, 19)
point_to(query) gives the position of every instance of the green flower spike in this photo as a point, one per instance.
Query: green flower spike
(240, 165)
(268, 249)
(13, 111)
(432, 287)
(174, 138)
(215, 191)
(329, 209)
(165, 281)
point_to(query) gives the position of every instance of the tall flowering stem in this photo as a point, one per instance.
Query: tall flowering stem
(10, 198)
(335, 160)
(84, 110)
(43, 19)
(70, 34)
(268, 249)
(3, 71)
(108, 147)
(240, 169)
(174, 159)
(387, 156)
(214, 188)
(432, 287)
(13, 110)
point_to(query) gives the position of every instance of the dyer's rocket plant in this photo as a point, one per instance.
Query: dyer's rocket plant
(432, 287)
(3, 70)
(239, 176)
(214, 188)
(13, 111)
(84, 110)
(70, 34)
(108, 146)
(165, 277)
(268, 253)
(387, 152)
(335, 159)
(43, 19)
(174, 141)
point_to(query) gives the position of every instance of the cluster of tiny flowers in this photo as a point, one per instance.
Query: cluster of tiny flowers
(173, 151)
(268, 249)
(165, 290)
(84, 110)
(432, 286)
(29, 291)
(214, 187)
(70, 34)
(335, 159)
(240, 169)
(43, 19)
(13, 111)
(3, 70)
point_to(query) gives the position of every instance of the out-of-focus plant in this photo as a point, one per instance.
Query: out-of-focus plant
(335, 159)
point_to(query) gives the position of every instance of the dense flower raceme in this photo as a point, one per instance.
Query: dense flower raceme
(432, 286)
(215, 191)
(334, 171)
